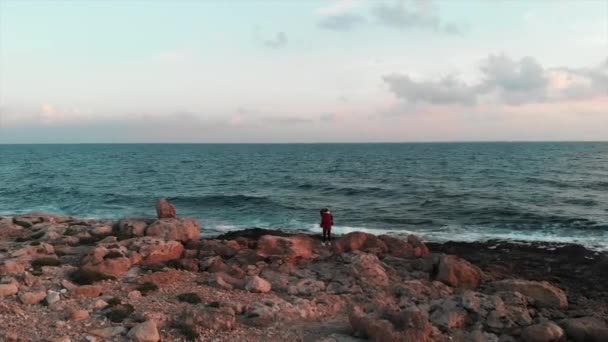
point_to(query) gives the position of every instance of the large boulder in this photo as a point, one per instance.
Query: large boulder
(164, 209)
(152, 250)
(586, 329)
(457, 272)
(542, 294)
(292, 247)
(409, 325)
(131, 227)
(359, 241)
(367, 268)
(182, 230)
(144, 332)
(544, 332)
(112, 262)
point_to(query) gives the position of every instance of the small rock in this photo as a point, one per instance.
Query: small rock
(52, 298)
(100, 304)
(545, 332)
(30, 298)
(109, 332)
(68, 284)
(257, 285)
(542, 294)
(134, 295)
(144, 332)
(457, 272)
(79, 315)
(62, 339)
(8, 289)
(89, 291)
(585, 329)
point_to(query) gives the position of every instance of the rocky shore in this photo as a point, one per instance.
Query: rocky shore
(137, 279)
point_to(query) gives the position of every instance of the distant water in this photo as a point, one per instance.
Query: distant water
(468, 191)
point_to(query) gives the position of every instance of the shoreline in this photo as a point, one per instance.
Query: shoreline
(64, 279)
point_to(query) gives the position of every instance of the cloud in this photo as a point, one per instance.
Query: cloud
(448, 90)
(505, 81)
(279, 41)
(341, 22)
(418, 15)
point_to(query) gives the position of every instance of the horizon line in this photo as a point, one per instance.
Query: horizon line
(311, 143)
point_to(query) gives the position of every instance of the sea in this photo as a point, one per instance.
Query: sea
(555, 192)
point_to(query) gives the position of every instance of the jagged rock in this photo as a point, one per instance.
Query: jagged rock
(14, 266)
(586, 329)
(218, 248)
(221, 318)
(115, 266)
(541, 294)
(182, 230)
(144, 332)
(366, 267)
(359, 241)
(109, 332)
(290, 248)
(457, 272)
(306, 287)
(101, 230)
(131, 227)
(68, 284)
(8, 289)
(164, 209)
(544, 332)
(257, 285)
(31, 298)
(154, 250)
(264, 313)
(410, 325)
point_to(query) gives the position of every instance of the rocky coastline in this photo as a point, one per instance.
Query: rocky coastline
(137, 279)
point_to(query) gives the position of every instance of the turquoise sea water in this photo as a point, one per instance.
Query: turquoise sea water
(460, 191)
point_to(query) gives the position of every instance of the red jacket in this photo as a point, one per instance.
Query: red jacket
(327, 220)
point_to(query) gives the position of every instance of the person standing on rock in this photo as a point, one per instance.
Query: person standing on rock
(327, 220)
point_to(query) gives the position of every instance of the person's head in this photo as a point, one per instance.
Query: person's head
(324, 210)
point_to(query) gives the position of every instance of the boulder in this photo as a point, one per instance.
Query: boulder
(291, 247)
(359, 241)
(544, 332)
(13, 266)
(182, 230)
(220, 318)
(114, 267)
(306, 287)
(420, 249)
(165, 209)
(131, 227)
(457, 272)
(367, 268)
(398, 247)
(542, 294)
(256, 284)
(154, 250)
(144, 332)
(79, 315)
(409, 325)
(586, 329)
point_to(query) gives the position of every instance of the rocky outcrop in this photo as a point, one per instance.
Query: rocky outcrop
(290, 248)
(359, 241)
(182, 230)
(150, 251)
(410, 325)
(457, 272)
(541, 294)
(131, 227)
(165, 210)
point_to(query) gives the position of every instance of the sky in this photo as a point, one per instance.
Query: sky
(87, 71)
